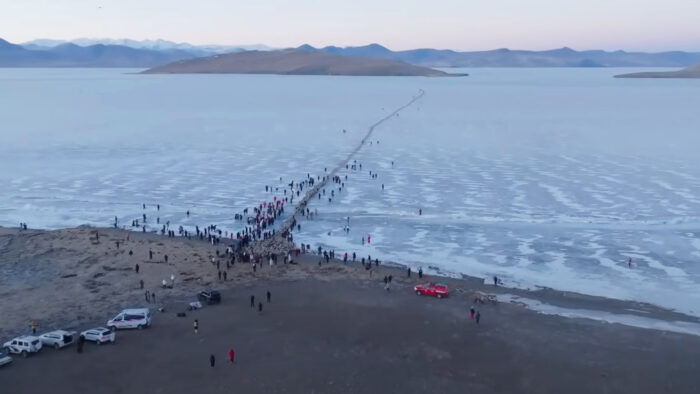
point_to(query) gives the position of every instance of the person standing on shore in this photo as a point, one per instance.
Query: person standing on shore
(148, 296)
(81, 342)
(269, 296)
(196, 326)
(260, 307)
(420, 272)
(495, 281)
(212, 360)
(478, 317)
(231, 356)
(409, 272)
(252, 301)
(471, 312)
(136, 268)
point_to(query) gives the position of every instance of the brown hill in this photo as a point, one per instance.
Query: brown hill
(688, 72)
(294, 62)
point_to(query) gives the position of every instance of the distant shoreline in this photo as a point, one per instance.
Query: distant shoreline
(295, 62)
(691, 72)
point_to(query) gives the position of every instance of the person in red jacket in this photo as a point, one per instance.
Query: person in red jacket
(231, 355)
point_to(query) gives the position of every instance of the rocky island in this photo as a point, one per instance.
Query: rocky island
(688, 72)
(295, 62)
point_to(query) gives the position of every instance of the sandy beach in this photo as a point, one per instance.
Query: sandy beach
(329, 327)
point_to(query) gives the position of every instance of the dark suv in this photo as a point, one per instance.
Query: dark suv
(209, 297)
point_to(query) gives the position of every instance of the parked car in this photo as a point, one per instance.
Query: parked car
(209, 297)
(431, 289)
(99, 335)
(57, 338)
(131, 318)
(23, 345)
(4, 358)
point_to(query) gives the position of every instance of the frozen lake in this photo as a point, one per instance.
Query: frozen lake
(550, 177)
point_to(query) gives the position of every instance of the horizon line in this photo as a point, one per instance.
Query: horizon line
(355, 46)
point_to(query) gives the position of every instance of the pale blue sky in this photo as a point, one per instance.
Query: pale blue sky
(463, 25)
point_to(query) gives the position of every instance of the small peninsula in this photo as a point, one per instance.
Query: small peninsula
(688, 72)
(295, 62)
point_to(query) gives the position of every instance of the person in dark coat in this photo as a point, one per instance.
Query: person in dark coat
(252, 301)
(269, 296)
(81, 342)
(212, 360)
(259, 306)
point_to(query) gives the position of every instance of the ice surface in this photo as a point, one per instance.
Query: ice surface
(681, 327)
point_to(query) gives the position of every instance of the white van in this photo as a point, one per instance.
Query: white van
(131, 318)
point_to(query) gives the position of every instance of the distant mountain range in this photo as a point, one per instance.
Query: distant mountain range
(158, 45)
(150, 53)
(563, 57)
(71, 55)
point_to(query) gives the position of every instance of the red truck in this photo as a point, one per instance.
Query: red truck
(431, 289)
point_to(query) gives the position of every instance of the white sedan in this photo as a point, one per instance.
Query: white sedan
(99, 335)
(58, 338)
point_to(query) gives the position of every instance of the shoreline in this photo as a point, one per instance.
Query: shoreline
(540, 300)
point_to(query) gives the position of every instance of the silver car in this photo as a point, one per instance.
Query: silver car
(57, 339)
(99, 335)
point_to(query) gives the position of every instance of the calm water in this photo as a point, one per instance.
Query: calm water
(551, 177)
